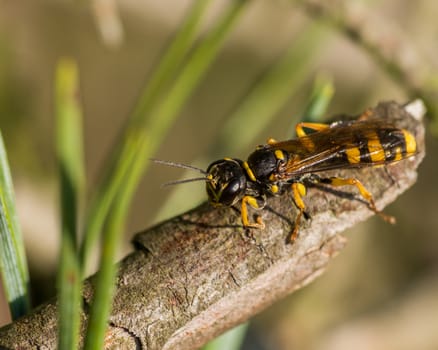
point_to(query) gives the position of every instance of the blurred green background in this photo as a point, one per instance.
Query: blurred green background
(380, 293)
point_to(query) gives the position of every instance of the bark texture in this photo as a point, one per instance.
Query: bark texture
(200, 273)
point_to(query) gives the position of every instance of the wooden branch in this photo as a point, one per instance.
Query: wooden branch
(199, 274)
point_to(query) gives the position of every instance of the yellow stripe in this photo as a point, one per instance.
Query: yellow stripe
(249, 171)
(376, 150)
(411, 144)
(353, 155)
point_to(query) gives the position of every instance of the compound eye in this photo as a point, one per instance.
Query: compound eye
(231, 193)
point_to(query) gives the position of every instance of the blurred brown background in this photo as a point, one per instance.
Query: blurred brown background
(380, 293)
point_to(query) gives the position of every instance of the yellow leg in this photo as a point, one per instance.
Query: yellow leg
(299, 128)
(252, 201)
(336, 181)
(298, 191)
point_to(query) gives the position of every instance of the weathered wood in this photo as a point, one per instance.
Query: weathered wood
(200, 273)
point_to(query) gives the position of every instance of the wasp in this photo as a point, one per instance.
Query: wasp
(293, 165)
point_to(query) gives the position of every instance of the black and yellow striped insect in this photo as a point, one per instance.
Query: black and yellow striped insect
(293, 165)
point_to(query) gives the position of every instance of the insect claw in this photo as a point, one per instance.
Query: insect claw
(294, 234)
(260, 222)
(388, 218)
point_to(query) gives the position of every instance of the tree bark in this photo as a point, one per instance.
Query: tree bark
(194, 276)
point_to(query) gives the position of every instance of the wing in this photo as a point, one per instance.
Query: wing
(350, 144)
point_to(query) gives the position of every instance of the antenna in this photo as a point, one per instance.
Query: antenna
(183, 181)
(183, 166)
(179, 165)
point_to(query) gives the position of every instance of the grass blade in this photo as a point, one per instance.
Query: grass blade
(143, 140)
(317, 105)
(13, 265)
(322, 94)
(123, 158)
(102, 298)
(71, 168)
(171, 61)
(231, 340)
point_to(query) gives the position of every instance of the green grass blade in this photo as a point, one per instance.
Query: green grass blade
(143, 143)
(171, 61)
(71, 172)
(317, 105)
(101, 203)
(199, 61)
(322, 94)
(102, 298)
(104, 290)
(231, 340)
(13, 265)
(159, 82)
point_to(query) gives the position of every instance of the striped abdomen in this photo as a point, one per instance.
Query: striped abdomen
(381, 146)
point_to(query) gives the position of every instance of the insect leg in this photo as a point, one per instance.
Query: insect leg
(299, 128)
(337, 181)
(271, 141)
(256, 204)
(298, 191)
(366, 115)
